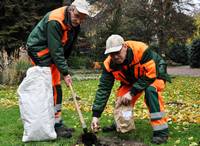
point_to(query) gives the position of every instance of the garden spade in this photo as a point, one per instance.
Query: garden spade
(88, 138)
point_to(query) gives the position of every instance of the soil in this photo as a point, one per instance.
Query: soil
(114, 141)
(106, 141)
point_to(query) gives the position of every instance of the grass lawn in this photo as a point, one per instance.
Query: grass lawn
(182, 99)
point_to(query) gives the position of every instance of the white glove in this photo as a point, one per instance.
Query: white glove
(68, 80)
(125, 99)
(95, 124)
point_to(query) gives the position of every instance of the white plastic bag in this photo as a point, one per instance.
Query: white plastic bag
(36, 105)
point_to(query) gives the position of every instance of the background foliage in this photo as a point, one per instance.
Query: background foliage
(195, 53)
(179, 53)
(149, 21)
(18, 17)
(152, 21)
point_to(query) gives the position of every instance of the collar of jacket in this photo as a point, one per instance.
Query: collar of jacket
(127, 61)
(67, 20)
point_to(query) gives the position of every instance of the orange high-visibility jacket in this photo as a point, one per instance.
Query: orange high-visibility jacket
(52, 39)
(140, 68)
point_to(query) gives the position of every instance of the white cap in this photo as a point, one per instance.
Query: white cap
(82, 6)
(114, 43)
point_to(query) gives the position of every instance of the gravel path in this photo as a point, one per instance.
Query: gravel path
(184, 70)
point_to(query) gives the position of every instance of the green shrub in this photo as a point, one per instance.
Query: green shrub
(79, 62)
(178, 53)
(195, 54)
(14, 74)
(21, 68)
(8, 76)
(22, 65)
(154, 47)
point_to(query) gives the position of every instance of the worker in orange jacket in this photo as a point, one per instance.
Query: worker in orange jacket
(50, 44)
(139, 70)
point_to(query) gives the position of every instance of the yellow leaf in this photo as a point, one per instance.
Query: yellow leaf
(193, 144)
(190, 138)
(177, 141)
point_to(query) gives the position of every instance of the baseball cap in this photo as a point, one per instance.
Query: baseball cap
(82, 6)
(114, 43)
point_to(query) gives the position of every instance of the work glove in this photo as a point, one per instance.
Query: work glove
(125, 99)
(68, 80)
(95, 124)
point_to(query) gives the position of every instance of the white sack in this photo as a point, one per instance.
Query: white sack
(36, 105)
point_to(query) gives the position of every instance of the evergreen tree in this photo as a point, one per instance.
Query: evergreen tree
(18, 17)
(195, 54)
(179, 53)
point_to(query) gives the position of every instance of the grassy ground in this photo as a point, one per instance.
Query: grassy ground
(182, 103)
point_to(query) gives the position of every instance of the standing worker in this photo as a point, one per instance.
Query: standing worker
(138, 69)
(50, 44)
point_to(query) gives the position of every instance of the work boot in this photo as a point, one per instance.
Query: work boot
(66, 128)
(159, 139)
(160, 136)
(62, 132)
(109, 128)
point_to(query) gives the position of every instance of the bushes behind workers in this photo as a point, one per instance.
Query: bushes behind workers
(178, 53)
(14, 73)
(195, 53)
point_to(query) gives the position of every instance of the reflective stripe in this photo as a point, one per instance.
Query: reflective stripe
(43, 52)
(160, 127)
(54, 95)
(159, 122)
(157, 115)
(57, 107)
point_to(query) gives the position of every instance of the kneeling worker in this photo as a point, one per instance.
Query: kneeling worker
(139, 70)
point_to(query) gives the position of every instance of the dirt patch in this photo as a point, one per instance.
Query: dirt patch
(114, 141)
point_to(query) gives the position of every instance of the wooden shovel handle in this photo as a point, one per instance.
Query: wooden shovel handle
(78, 108)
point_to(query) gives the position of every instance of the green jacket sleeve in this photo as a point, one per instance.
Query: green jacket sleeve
(106, 83)
(141, 84)
(54, 35)
(161, 67)
(149, 66)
